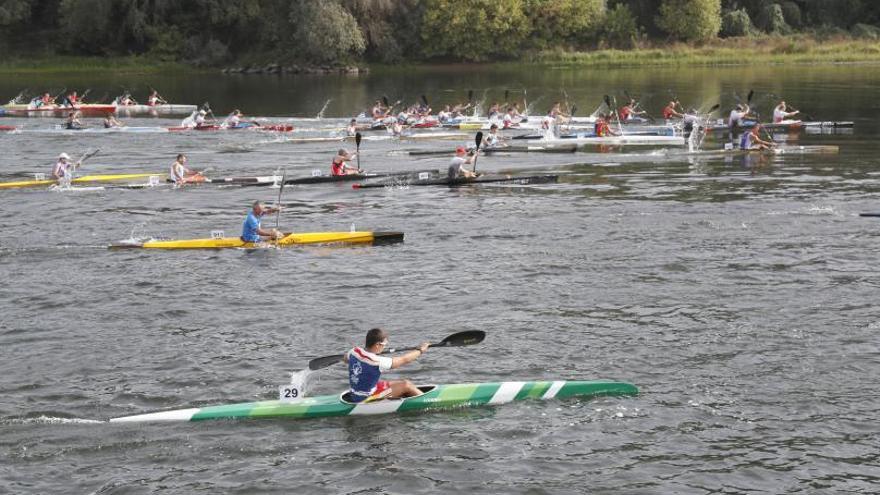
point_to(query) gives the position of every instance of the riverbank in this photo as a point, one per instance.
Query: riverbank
(780, 50)
(72, 65)
(730, 51)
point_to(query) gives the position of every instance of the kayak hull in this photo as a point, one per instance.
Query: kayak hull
(86, 109)
(264, 128)
(521, 180)
(167, 109)
(436, 398)
(77, 180)
(293, 239)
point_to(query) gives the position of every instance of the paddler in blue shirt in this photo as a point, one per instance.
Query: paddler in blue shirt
(752, 140)
(251, 230)
(366, 364)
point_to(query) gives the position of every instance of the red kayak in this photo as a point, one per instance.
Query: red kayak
(87, 109)
(7, 128)
(266, 128)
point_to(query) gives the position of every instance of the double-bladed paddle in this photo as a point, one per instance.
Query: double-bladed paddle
(478, 140)
(357, 145)
(469, 337)
(278, 204)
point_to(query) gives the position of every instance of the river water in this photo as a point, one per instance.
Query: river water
(736, 293)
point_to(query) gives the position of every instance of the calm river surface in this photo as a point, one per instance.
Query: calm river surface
(736, 293)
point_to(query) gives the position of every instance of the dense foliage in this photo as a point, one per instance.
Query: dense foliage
(330, 32)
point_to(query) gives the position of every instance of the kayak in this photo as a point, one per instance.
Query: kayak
(654, 130)
(721, 125)
(164, 109)
(504, 149)
(85, 178)
(212, 127)
(435, 398)
(87, 109)
(288, 240)
(7, 128)
(780, 150)
(636, 140)
(320, 179)
(523, 180)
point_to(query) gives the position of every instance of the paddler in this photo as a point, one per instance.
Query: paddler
(629, 111)
(493, 140)
(352, 128)
(456, 165)
(234, 120)
(110, 121)
(601, 128)
(154, 99)
(781, 113)
(691, 119)
(338, 166)
(752, 140)
(63, 169)
(200, 118)
(251, 230)
(71, 99)
(669, 111)
(511, 118)
(738, 115)
(45, 100)
(73, 121)
(378, 111)
(366, 364)
(180, 174)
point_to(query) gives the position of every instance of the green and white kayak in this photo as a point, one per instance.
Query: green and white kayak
(436, 397)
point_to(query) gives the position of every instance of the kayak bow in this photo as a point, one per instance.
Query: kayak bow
(436, 397)
(77, 180)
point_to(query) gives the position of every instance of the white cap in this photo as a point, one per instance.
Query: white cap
(202, 112)
(64, 156)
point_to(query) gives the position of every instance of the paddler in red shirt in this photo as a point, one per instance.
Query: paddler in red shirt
(669, 112)
(338, 166)
(629, 111)
(602, 128)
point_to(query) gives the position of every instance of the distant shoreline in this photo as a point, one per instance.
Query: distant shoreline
(776, 50)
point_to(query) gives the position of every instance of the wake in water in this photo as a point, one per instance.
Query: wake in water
(50, 420)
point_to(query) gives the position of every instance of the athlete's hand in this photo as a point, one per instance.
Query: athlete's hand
(424, 347)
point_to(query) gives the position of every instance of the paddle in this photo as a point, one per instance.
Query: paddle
(869, 214)
(357, 145)
(78, 164)
(278, 203)
(478, 140)
(469, 337)
(425, 100)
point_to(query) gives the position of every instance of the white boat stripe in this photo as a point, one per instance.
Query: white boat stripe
(553, 390)
(378, 407)
(178, 415)
(506, 392)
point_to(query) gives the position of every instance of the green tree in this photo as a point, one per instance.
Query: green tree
(619, 28)
(558, 21)
(690, 20)
(772, 20)
(325, 32)
(736, 23)
(14, 11)
(473, 29)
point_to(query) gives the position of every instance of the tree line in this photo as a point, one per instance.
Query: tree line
(215, 32)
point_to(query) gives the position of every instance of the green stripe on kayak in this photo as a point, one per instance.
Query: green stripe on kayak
(533, 390)
(575, 389)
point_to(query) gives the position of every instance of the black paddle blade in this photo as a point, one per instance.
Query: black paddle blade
(506, 95)
(468, 337)
(324, 362)
(607, 100)
(357, 139)
(574, 110)
(715, 107)
(869, 214)
(385, 100)
(425, 100)
(479, 139)
(751, 94)
(470, 95)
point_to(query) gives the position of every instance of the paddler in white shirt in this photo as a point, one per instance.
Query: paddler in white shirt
(738, 116)
(493, 140)
(456, 165)
(751, 140)
(200, 118)
(63, 169)
(781, 113)
(180, 174)
(154, 99)
(352, 128)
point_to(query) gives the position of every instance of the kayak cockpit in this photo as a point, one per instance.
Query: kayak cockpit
(345, 397)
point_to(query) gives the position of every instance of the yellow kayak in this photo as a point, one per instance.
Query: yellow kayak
(84, 178)
(473, 126)
(288, 240)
